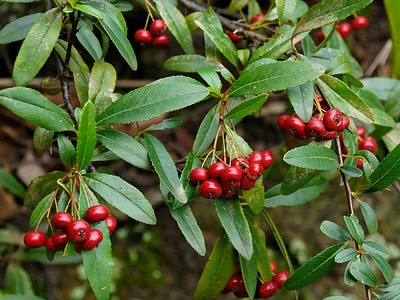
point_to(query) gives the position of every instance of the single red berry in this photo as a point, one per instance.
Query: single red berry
(359, 22)
(94, 237)
(344, 29)
(235, 283)
(295, 126)
(254, 171)
(229, 191)
(143, 36)
(257, 18)
(111, 222)
(231, 175)
(78, 230)
(361, 131)
(157, 27)
(34, 239)
(272, 265)
(50, 246)
(215, 170)
(360, 163)
(161, 40)
(345, 123)
(328, 135)
(198, 176)
(333, 119)
(282, 120)
(345, 150)
(368, 143)
(315, 128)
(254, 157)
(267, 289)
(234, 37)
(280, 278)
(240, 162)
(246, 183)
(267, 159)
(211, 189)
(97, 213)
(320, 36)
(60, 239)
(61, 219)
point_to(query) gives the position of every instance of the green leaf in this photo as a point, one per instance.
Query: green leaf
(210, 76)
(18, 29)
(37, 46)
(249, 273)
(210, 24)
(313, 269)
(42, 138)
(346, 255)
(67, 151)
(255, 196)
(391, 7)
(10, 183)
(247, 107)
(380, 86)
(275, 198)
(126, 147)
(355, 229)
(383, 266)
(394, 295)
(176, 24)
(91, 11)
(347, 277)
(296, 178)
(76, 63)
(387, 172)
(312, 157)
(275, 76)
(161, 96)
(235, 224)
(220, 266)
(393, 286)
(166, 124)
(41, 186)
(123, 196)
(102, 80)
(302, 100)
(326, 12)
(17, 281)
(207, 131)
(86, 136)
(40, 210)
(363, 273)
(261, 253)
(189, 63)
(188, 225)
(236, 145)
(285, 10)
(376, 248)
(351, 171)
(334, 231)
(32, 106)
(165, 167)
(369, 217)
(90, 42)
(98, 264)
(114, 25)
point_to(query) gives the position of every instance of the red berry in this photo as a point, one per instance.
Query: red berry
(280, 278)
(240, 162)
(315, 128)
(257, 18)
(254, 170)
(272, 265)
(34, 239)
(143, 36)
(161, 40)
(51, 246)
(359, 22)
(328, 135)
(61, 219)
(267, 289)
(234, 37)
(345, 150)
(360, 163)
(231, 175)
(111, 222)
(333, 119)
(78, 247)
(229, 191)
(345, 123)
(198, 176)
(255, 156)
(267, 159)
(60, 239)
(97, 213)
(246, 183)
(282, 120)
(211, 189)
(157, 27)
(320, 36)
(235, 283)
(216, 169)
(94, 237)
(78, 230)
(295, 126)
(344, 29)
(361, 131)
(368, 143)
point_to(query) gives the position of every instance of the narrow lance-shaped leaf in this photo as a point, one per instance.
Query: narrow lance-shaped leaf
(296, 178)
(285, 10)
(369, 217)
(345, 255)
(32, 106)
(10, 183)
(312, 157)
(189, 63)
(102, 79)
(247, 107)
(40, 210)
(383, 266)
(67, 150)
(86, 136)
(90, 42)
(334, 231)
(363, 273)
(249, 273)
(302, 99)
(354, 228)
(18, 29)
(261, 253)
(255, 196)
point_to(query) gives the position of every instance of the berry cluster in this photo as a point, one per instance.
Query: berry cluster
(344, 28)
(222, 180)
(70, 230)
(321, 127)
(156, 35)
(265, 289)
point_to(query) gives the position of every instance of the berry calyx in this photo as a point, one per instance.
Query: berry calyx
(234, 37)
(143, 36)
(241, 162)
(267, 289)
(257, 18)
(61, 219)
(111, 222)
(359, 22)
(161, 40)
(267, 159)
(211, 189)
(157, 27)
(333, 119)
(215, 170)
(368, 143)
(295, 126)
(344, 29)
(198, 176)
(229, 191)
(315, 128)
(94, 237)
(33, 239)
(254, 171)
(280, 278)
(78, 230)
(97, 213)
(231, 175)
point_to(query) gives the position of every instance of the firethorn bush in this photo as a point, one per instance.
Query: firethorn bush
(336, 123)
